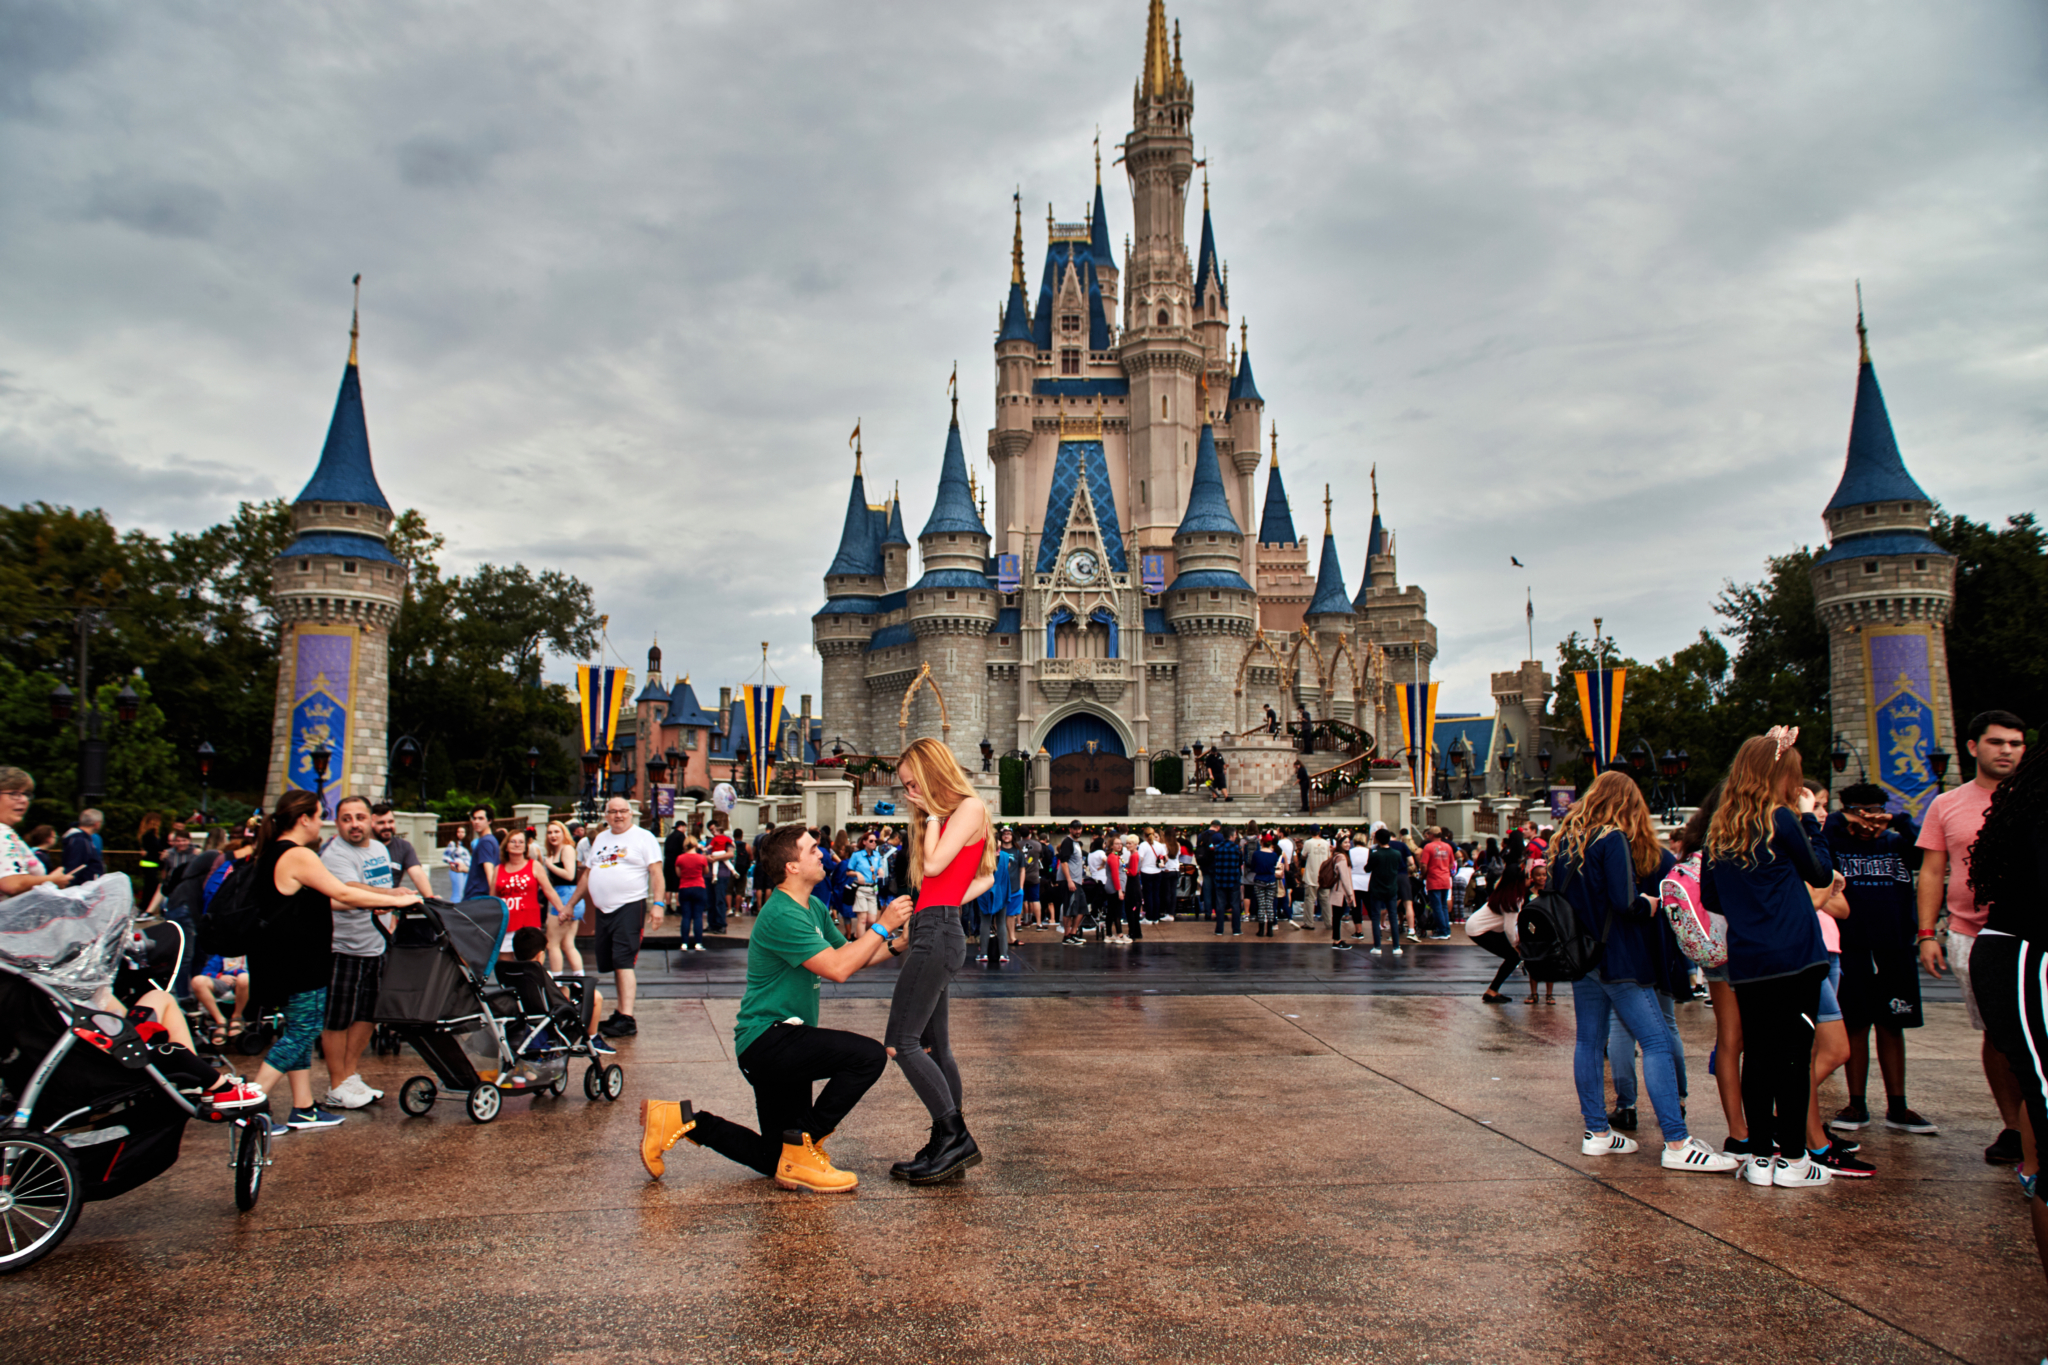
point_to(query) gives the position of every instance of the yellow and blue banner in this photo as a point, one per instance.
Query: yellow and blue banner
(1900, 696)
(597, 693)
(1600, 692)
(764, 730)
(1417, 704)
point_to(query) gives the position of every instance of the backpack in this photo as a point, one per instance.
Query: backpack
(1555, 944)
(185, 889)
(1326, 876)
(234, 921)
(1702, 935)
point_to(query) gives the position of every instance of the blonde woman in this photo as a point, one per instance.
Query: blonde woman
(952, 861)
(558, 859)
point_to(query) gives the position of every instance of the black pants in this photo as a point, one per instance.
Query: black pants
(1495, 941)
(1777, 1056)
(781, 1065)
(2009, 977)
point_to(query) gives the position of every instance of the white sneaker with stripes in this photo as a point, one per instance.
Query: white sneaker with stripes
(1697, 1156)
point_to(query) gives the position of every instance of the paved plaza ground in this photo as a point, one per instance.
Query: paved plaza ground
(1371, 1166)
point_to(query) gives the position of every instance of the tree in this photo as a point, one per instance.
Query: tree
(1997, 657)
(1781, 674)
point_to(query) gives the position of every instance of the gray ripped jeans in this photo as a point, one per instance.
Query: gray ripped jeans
(917, 1012)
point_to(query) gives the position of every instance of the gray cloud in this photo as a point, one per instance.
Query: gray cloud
(1577, 279)
(161, 208)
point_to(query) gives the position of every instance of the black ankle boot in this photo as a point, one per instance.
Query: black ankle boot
(901, 1170)
(952, 1152)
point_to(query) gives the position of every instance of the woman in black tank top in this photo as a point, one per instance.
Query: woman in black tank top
(293, 963)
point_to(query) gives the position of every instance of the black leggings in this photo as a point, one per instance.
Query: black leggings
(1777, 1056)
(781, 1065)
(1495, 941)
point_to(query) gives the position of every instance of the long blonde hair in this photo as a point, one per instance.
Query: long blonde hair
(1761, 779)
(944, 785)
(1613, 802)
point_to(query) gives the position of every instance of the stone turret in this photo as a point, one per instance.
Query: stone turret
(951, 608)
(855, 585)
(1884, 589)
(1394, 618)
(337, 588)
(1209, 603)
(1330, 619)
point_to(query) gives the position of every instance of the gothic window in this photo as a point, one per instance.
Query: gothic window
(1070, 322)
(1162, 405)
(1141, 491)
(1164, 317)
(1070, 362)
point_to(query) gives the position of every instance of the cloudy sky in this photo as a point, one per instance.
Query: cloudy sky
(1578, 277)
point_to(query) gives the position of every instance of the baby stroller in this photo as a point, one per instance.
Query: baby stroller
(96, 1105)
(438, 995)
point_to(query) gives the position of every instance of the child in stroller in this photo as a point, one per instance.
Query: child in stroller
(553, 1023)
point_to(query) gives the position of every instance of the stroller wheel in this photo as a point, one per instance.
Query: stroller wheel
(252, 1155)
(417, 1095)
(40, 1195)
(560, 1085)
(593, 1083)
(614, 1081)
(484, 1102)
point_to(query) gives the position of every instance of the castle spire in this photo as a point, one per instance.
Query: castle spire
(953, 509)
(345, 473)
(355, 314)
(1276, 524)
(1330, 598)
(1376, 539)
(1017, 240)
(1276, 451)
(1157, 69)
(1874, 471)
(1207, 262)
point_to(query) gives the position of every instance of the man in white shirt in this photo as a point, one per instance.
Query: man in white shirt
(621, 879)
(1314, 853)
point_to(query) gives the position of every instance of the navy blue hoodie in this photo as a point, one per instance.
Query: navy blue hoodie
(1772, 928)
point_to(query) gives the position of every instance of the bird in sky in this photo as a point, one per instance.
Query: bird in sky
(1516, 562)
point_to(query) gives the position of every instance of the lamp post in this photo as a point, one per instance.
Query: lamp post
(405, 755)
(1507, 765)
(64, 704)
(319, 754)
(205, 752)
(532, 769)
(593, 764)
(1667, 795)
(1543, 760)
(1639, 758)
(622, 776)
(657, 770)
(1937, 759)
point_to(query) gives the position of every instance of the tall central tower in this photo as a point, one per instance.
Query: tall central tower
(1160, 351)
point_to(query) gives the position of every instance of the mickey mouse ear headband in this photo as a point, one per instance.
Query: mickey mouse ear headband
(1784, 737)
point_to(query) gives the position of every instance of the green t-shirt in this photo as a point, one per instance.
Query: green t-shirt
(786, 936)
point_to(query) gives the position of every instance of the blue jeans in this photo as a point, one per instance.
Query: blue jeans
(690, 903)
(1440, 908)
(1595, 1003)
(1219, 900)
(1621, 1054)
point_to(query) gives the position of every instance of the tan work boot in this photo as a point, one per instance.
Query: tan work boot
(662, 1125)
(804, 1167)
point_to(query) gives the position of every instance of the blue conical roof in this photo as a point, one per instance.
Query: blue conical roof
(1203, 263)
(859, 552)
(1208, 505)
(1098, 244)
(953, 510)
(1329, 599)
(1276, 526)
(1375, 539)
(896, 535)
(1243, 388)
(344, 473)
(1016, 316)
(1875, 472)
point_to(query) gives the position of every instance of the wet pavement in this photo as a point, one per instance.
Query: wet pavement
(1301, 1176)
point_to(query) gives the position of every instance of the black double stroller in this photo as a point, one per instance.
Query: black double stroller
(93, 1105)
(487, 1029)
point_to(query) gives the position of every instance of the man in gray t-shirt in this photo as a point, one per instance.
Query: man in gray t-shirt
(356, 858)
(405, 863)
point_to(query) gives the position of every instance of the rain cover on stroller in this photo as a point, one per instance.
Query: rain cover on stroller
(72, 936)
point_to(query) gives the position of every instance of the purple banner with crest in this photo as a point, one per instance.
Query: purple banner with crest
(323, 693)
(1902, 717)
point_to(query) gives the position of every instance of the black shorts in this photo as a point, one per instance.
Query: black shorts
(618, 936)
(1880, 986)
(352, 990)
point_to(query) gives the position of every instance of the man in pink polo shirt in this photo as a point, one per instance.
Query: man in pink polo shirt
(1997, 740)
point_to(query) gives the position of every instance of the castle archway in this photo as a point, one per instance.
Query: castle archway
(1091, 773)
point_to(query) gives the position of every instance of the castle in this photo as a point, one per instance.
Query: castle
(1130, 595)
(337, 589)
(1884, 589)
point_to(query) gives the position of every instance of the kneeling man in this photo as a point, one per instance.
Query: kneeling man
(782, 1052)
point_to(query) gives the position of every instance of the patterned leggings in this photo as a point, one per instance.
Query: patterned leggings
(1262, 896)
(303, 1015)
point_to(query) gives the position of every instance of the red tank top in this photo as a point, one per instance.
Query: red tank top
(949, 884)
(521, 893)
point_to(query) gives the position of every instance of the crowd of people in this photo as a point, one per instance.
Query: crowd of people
(1821, 927)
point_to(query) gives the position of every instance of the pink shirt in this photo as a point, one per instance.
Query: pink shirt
(1951, 827)
(1830, 931)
